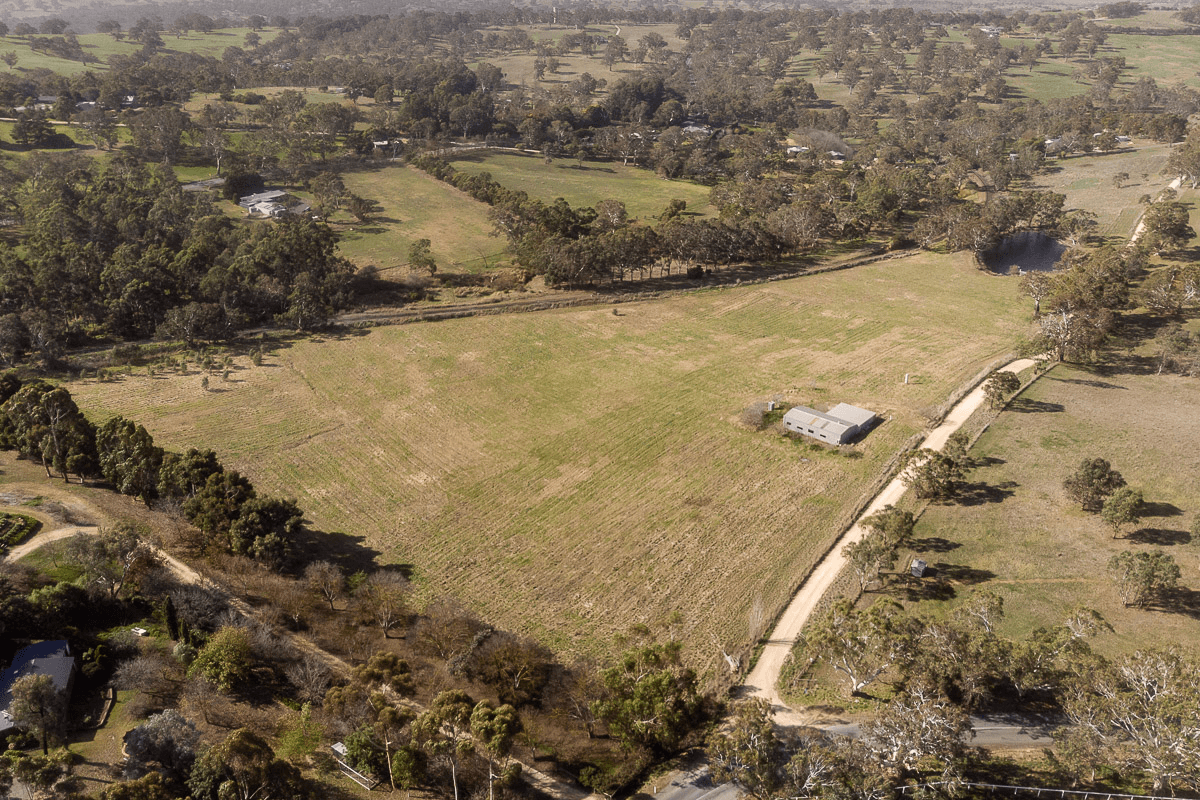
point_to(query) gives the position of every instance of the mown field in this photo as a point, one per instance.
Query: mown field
(643, 193)
(568, 473)
(1028, 542)
(414, 206)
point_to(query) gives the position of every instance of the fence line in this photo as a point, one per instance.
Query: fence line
(1038, 791)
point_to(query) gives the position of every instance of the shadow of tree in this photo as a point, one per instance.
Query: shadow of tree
(916, 590)
(1181, 600)
(1027, 406)
(1158, 509)
(976, 494)
(586, 168)
(933, 544)
(987, 461)
(348, 551)
(1093, 383)
(1159, 536)
(960, 573)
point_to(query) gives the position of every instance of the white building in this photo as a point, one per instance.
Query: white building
(838, 425)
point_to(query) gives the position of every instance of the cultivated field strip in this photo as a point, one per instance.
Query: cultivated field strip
(568, 473)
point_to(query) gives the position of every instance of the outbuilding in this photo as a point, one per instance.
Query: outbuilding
(838, 425)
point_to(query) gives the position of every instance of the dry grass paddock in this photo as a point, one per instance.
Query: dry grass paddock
(568, 473)
(1024, 539)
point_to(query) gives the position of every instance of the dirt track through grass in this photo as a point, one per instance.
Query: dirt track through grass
(569, 473)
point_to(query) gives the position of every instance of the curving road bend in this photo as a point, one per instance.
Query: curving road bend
(762, 679)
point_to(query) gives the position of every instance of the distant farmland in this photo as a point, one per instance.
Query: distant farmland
(569, 473)
(643, 193)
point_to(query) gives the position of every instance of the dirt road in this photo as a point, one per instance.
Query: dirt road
(762, 679)
(43, 537)
(1140, 228)
(544, 783)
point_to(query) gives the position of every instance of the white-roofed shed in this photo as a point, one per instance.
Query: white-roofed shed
(838, 425)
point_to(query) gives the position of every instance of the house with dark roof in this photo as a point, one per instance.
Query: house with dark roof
(51, 658)
(838, 425)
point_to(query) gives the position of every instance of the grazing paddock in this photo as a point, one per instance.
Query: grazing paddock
(415, 206)
(569, 473)
(585, 184)
(1024, 539)
(311, 95)
(1087, 182)
(29, 60)
(518, 67)
(1169, 60)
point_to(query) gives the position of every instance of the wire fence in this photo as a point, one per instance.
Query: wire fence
(1035, 791)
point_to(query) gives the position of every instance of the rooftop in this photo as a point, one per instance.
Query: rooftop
(261, 197)
(51, 658)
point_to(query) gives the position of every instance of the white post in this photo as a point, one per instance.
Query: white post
(906, 379)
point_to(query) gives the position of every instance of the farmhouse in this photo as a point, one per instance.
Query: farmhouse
(51, 658)
(838, 425)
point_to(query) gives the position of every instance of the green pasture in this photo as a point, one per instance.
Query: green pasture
(99, 47)
(1167, 59)
(569, 473)
(1029, 543)
(214, 43)
(518, 70)
(418, 206)
(311, 94)
(1087, 182)
(518, 67)
(29, 60)
(1151, 18)
(585, 184)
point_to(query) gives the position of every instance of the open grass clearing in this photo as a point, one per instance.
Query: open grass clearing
(1029, 543)
(1167, 59)
(100, 748)
(311, 94)
(415, 206)
(1150, 18)
(1087, 182)
(585, 184)
(569, 473)
(50, 561)
(29, 59)
(518, 67)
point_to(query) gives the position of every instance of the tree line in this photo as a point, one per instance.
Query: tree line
(649, 704)
(118, 248)
(41, 422)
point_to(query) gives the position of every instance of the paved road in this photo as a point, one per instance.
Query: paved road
(762, 680)
(993, 731)
(696, 784)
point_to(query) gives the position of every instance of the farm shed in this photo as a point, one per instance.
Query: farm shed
(838, 425)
